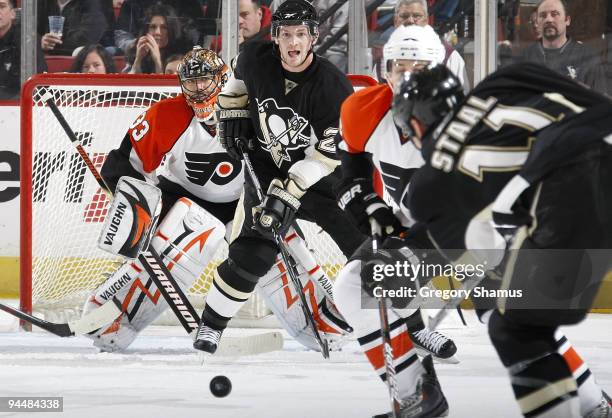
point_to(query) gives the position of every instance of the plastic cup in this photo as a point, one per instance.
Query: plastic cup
(56, 25)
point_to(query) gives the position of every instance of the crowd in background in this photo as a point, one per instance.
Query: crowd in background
(149, 36)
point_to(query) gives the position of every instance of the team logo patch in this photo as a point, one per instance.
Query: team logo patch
(200, 168)
(283, 130)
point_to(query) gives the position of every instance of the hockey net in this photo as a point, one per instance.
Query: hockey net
(62, 206)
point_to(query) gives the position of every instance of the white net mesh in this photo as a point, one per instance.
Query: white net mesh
(68, 207)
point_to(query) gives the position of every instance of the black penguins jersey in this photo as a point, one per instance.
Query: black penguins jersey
(295, 114)
(490, 138)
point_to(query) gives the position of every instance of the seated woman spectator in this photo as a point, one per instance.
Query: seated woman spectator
(130, 22)
(93, 59)
(172, 63)
(159, 38)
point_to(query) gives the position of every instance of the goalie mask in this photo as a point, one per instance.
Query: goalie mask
(411, 48)
(425, 98)
(202, 74)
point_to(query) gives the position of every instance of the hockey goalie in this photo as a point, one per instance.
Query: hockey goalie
(171, 148)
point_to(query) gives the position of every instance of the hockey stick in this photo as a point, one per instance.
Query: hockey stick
(287, 260)
(396, 403)
(169, 289)
(87, 323)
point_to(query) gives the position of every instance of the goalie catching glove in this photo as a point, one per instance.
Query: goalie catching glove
(278, 209)
(358, 199)
(235, 128)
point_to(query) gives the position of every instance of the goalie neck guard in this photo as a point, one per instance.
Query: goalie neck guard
(202, 74)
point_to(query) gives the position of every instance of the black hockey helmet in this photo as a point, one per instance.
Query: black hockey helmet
(293, 13)
(428, 96)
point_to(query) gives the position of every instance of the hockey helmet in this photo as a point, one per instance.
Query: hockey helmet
(415, 43)
(202, 74)
(427, 96)
(294, 13)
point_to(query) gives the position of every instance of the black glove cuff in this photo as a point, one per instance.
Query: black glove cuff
(285, 197)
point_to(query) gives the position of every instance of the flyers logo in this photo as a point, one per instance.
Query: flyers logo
(217, 168)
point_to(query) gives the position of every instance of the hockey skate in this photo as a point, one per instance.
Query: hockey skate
(428, 399)
(603, 410)
(438, 345)
(207, 339)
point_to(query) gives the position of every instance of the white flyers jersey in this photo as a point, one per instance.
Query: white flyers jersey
(367, 126)
(168, 146)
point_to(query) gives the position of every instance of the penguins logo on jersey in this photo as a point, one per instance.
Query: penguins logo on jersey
(282, 129)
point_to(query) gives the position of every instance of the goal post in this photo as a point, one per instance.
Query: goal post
(62, 207)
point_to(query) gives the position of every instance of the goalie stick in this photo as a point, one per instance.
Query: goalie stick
(157, 270)
(288, 261)
(84, 325)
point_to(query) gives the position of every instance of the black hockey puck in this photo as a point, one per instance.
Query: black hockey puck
(220, 386)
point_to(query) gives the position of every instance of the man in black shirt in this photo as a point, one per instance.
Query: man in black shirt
(10, 53)
(559, 52)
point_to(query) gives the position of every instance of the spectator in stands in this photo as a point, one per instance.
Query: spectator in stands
(10, 52)
(130, 21)
(253, 18)
(415, 12)
(337, 53)
(93, 59)
(172, 63)
(534, 26)
(253, 23)
(84, 24)
(108, 37)
(557, 51)
(159, 38)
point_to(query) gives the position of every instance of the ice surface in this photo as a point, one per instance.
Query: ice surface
(161, 376)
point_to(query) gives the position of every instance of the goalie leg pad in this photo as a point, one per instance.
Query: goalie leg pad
(279, 294)
(187, 239)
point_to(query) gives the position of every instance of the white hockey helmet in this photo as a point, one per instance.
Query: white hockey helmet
(416, 43)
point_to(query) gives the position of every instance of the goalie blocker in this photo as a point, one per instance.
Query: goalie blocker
(186, 240)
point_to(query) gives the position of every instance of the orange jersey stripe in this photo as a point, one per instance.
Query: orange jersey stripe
(573, 359)
(155, 132)
(401, 344)
(361, 113)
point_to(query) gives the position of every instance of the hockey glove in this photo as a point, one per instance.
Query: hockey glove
(374, 275)
(235, 128)
(278, 209)
(358, 199)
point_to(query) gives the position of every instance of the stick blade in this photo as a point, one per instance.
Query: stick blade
(61, 330)
(97, 318)
(250, 345)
